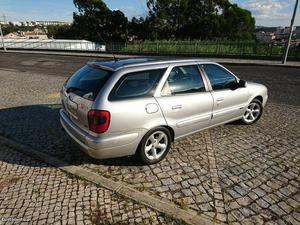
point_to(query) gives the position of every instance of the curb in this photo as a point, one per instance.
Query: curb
(108, 55)
(121, 188)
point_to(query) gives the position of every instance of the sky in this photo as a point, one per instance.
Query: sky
(266, 12)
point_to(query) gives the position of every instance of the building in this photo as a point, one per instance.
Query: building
(35, 34)
(15, 23)
(34, 23)
(43, 23)
(265, 37)
(28, 24)
(49, 23)
(13, 35)
(4, 22)
(283, 32)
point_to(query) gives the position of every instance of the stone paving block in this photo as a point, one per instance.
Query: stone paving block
(14, 164)
(253, 167)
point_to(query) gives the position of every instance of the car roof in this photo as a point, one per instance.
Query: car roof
(116, 64)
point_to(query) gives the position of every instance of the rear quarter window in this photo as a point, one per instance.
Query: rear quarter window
(137, 84)
(87, 82)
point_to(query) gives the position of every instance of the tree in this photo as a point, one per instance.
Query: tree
(239, 23)
(94, 21)
(139, 29)
(61, 32)
(117, 26)
(167, 17)
(194, 19)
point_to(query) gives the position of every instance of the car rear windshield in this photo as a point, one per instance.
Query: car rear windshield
(87, 82)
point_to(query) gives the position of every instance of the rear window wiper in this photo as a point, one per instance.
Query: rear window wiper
(72, 89)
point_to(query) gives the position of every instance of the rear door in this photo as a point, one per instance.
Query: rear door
(80, 91)
(229, 100)
(185, 100)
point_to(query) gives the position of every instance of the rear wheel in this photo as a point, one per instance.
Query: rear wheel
(154, 146)
(253, 112)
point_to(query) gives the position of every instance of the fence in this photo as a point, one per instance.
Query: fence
(195, 48)
(238, 49)
(49, 44)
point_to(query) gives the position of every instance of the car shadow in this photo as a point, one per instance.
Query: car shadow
(38, 127)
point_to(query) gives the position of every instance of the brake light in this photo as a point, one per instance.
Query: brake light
(98, 120)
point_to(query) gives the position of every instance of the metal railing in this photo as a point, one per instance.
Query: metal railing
(195, 48)
(50, 44)
(240, 49)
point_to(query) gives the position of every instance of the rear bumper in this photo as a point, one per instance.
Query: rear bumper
(101, 147)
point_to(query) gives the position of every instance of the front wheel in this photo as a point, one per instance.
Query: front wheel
(253, 112)
(154, 146)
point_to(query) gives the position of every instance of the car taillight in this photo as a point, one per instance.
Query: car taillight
(98, 120)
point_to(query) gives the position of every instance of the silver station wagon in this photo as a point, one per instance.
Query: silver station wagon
(138, 106)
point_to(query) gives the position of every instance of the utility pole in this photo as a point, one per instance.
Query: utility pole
(1, 34)
(287, 45)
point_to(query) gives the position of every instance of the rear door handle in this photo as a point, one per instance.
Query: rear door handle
(219, 100)
(174, 107)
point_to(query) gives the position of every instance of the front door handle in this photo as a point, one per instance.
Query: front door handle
(174, 107)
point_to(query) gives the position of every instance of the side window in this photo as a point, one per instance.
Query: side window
(136, 84)
(184, 79)
(219, 78)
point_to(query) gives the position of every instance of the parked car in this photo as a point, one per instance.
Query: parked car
(138, 106)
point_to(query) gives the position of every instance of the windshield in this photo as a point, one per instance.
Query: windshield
(87, 82)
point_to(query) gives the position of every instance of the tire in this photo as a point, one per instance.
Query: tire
(253, 112)
(154, 146)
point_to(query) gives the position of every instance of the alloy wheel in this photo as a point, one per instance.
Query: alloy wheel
(253, 111)
(156, 145)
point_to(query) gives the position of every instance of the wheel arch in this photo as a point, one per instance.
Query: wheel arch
(171, 132)
(259, 98)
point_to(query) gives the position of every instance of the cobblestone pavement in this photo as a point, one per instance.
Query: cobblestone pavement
(31, 192)
(233, 173)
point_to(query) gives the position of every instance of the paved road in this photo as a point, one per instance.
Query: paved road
(283, 83)
(235, 174)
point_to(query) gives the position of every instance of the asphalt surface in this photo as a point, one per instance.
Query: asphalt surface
(283, 82)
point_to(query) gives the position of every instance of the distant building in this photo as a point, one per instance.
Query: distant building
(262, 36)
(48, 23)
(3, 22)
(13, 35)
(15, 23)
(35, 34)
(28, 24)
(283, 32)
(42, 23)
(275, 34)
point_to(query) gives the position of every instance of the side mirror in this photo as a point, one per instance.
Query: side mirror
(242, 84)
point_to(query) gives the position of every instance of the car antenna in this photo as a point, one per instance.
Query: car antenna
(111, 52)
